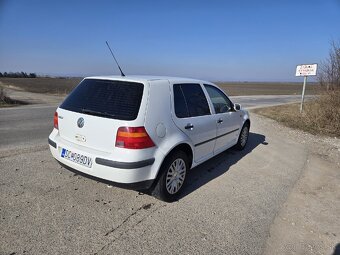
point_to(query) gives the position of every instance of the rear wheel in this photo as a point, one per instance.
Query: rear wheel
(172, 179)
(243, 138)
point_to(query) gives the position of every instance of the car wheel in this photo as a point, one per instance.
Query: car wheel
(243, 137)
(172, 179)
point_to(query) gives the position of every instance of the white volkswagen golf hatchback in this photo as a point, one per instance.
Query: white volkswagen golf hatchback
(145, 133)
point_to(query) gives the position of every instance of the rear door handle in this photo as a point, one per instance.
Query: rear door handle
(220, 121)
(189, 126)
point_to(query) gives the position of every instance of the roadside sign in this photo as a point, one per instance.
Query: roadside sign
(306, 70)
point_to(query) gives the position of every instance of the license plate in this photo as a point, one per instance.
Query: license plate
(76, 157)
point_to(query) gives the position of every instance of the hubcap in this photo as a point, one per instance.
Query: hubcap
(244, 136)
(175, 176)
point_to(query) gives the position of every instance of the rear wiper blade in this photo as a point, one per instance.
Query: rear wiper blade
(96, 113)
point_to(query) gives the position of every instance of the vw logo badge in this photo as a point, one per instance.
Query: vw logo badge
(80, 122)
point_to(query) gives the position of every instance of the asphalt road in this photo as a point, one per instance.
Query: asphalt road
(25, 125)
(251, 102)
(30, 124)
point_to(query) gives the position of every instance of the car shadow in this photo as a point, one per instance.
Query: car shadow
(218, 165)
(337, 250)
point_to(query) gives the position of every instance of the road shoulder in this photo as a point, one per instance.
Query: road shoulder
(308, 221)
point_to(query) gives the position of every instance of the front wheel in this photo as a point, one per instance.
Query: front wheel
(243, 138)
(173, 173)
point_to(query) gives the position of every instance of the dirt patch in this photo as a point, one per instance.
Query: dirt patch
(55, 86)
(308, 221)
(306, 224)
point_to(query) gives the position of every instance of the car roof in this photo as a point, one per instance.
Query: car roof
(145, 78)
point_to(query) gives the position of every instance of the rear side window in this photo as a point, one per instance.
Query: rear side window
(190, 101)
(112, 99)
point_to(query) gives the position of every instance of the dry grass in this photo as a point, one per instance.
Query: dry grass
(3, 102)
(6, 101)
(320, 116)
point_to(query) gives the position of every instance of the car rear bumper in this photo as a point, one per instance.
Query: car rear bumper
(142, 185)
(137, 175)
(125, 165)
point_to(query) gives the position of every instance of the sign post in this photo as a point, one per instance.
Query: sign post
(305, 70)
(303, 93)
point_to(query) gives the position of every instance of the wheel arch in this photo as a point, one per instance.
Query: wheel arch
(247, 122)
(186, 148)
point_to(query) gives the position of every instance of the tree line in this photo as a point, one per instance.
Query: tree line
(18, 75)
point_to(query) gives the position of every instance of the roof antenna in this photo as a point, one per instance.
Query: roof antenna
(121, 72)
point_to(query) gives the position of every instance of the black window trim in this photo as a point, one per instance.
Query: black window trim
(204, 93)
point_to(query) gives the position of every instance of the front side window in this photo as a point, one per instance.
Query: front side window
(190, 100)
(219, 100)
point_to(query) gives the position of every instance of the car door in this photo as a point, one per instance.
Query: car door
(228, 120)
(193, 117)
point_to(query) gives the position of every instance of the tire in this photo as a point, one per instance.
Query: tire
(243, 137)
(172, 179)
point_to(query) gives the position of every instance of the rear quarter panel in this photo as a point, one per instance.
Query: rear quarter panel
(158, 121)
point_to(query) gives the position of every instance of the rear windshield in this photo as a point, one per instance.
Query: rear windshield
(112, 99)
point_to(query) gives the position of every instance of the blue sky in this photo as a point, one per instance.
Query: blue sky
(241, 40)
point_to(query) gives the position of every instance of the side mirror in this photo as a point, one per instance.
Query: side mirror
(237, 107)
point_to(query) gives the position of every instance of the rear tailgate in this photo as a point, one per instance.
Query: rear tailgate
(92, 113)
(98, 133)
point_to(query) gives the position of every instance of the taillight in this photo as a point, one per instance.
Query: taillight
(55, 120)
(133, 138)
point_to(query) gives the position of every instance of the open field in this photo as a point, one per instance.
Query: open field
(62, 86)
